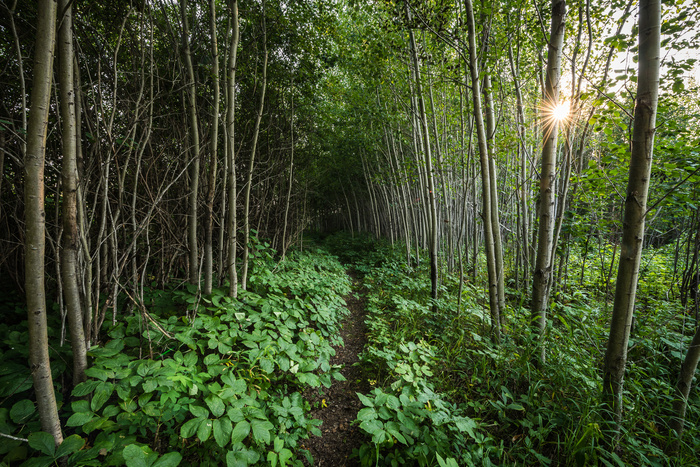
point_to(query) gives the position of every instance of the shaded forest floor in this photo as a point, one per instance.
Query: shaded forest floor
(337, 407)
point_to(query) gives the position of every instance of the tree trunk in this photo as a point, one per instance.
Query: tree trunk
(635, 210)
(683, 385)
(251, 164)
(485, 178)
(231, 221)
(432, 203)
(213, 157)
(69, 204)
(495, 218)
(545, 228)
(35, 219)
(191, 101)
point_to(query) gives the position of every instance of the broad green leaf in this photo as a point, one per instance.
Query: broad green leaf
(99, 373)
(371, 426)
(101, 395)
(134, 456)
(216, 405)
(199, 411)
(42, 442)
(278, 444)
(189, 427)
(22, 411)
(71, 444)
(150, 385)
(368, 413)
(261, 430)
(171, 459)
(240, 432)
(285, 455)
(272, 458)
(365, 400)
(204, 430)
(80, 418)
(221, 428)
(85, 388)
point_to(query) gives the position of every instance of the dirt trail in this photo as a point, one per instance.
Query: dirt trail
(339, 405)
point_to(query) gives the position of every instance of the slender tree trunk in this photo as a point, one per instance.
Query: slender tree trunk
(251, 164)
(214, 157)
(493, 186)
(545, 228)
(485, 177)
(231, 220)
(431, 195)
(69, 204)
(191, 101)
(683, 385)
(289, 181)
(34, 214)
(635, 210)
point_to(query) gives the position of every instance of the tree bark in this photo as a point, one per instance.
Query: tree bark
(191, 101)
(213, 157)
(683, 385)
(231, 221)
(541, 280)
(251, 164)
(432, 203)
(69, 204)
(635, 210)
(35, 219)
(485, 178)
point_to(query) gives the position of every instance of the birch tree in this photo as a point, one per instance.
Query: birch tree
(69, 173)
(34, 218)
(545, 228)
(642, 151)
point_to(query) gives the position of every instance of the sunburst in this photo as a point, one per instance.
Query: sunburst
(554, 116)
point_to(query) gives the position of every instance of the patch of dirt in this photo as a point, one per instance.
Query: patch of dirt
(338, 406)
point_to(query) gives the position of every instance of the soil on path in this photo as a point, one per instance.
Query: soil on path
(338, 406)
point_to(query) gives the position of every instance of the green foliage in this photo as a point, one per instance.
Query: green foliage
(445, 394)
(227, 386)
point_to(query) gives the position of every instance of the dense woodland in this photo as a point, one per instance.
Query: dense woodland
(185, 185)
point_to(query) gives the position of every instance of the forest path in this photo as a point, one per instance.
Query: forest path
(338, 406)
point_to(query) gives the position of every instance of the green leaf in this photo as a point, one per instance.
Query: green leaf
(189, 427)
(42, 442)
(73, 443)
(22, 411)
(272, 458)
(99, 373)
(261, 431)
(199, 411)
(236, 459)
(216, 405)
(368, 413)
(83, 389)
(278, 444)
(204, 430)
(371, 426)
(150, 385)
(134, 456)
(222, 431)
(365, 400)
(240, 432)
(285, 455)
(80, 418)
(102, 395)
(171, 459)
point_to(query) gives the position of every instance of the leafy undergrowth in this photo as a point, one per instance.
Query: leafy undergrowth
(224, 389)
(446, 395)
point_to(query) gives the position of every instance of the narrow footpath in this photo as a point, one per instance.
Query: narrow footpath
(338, 406)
